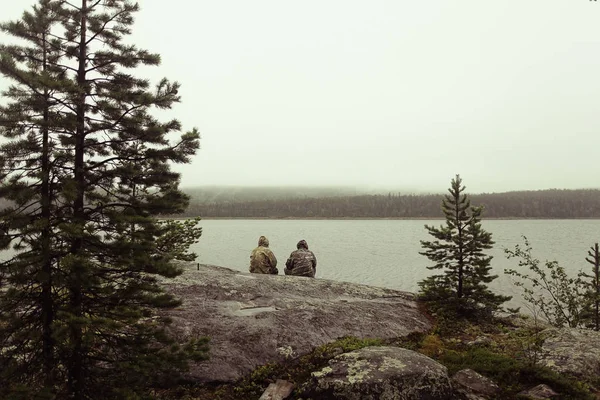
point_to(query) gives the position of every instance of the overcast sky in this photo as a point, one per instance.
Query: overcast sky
(396, 94)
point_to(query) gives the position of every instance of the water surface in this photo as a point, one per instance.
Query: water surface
(386, 252)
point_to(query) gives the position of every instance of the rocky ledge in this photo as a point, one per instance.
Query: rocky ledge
(256, 319)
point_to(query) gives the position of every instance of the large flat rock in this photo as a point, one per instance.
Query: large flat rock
(256, 319)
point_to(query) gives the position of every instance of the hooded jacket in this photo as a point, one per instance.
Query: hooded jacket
(302, 262)
(262, 259)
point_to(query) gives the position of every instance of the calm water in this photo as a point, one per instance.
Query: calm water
(386, 252)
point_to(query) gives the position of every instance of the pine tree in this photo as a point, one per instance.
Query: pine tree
(121, 182)
(107, 178)
(591, 308)
(177, 236)
(29, 179)
(458, 250)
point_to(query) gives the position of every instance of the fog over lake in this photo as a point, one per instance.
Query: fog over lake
(386, 252)
(398, 95)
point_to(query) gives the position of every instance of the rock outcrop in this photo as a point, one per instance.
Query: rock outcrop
(380, 373)
(572, 351)
(256, 319)
(474, 386)
(540, 392)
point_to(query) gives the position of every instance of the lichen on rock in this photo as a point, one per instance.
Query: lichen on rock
(382, 373)
(572, 351)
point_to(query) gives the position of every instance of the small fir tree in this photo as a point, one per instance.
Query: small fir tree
(458, 250)
(591, 308)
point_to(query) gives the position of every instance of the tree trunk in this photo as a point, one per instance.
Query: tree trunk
(47, 303)
(597, 284)
(461, 262)
(75, 380)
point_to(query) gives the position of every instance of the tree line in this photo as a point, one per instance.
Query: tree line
(553, 203)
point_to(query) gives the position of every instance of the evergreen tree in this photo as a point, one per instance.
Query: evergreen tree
(177, 236)
(87, 170)
(29, 177)
(458, 250)
(591, 309)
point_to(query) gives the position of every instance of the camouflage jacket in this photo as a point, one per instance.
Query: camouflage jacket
(263, 261)
(302, 262)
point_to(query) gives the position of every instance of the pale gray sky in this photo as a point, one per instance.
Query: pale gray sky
(398, 93)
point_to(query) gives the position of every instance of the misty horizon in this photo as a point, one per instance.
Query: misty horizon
(359, 190)
(387, 94)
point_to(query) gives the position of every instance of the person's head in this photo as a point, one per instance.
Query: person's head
(302, 245)
(263, 241)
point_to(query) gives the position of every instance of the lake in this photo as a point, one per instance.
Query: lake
(386, 252)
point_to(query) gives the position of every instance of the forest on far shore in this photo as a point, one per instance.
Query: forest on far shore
(552, 203)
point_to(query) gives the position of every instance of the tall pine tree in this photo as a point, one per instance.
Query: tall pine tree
(458, 250)
(88, 173)
(121, 182)
(29, 178)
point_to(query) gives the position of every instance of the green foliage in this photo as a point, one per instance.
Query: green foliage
(590, 312)
(561, 299)
(32, 214)
(322, 354)
(431, 346)
(511, 374)
(177, 236)
(526, 345)
(85, 171)
(458, 250)
(254, 385)
(510, 357)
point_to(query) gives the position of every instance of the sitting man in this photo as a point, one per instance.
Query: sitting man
(302, 262)
(262, 259)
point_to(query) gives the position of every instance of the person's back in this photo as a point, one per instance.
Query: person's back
(262, 259)
(302, 262)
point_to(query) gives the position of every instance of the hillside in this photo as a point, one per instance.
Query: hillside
(217, 194)
(247, 203)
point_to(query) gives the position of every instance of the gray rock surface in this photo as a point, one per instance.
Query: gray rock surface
(540, 392)
(380, 373)
(572, 351)
(474, 385)
(525, 321)
(278, 390)
(255, 319)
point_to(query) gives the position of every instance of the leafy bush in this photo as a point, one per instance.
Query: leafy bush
(431, 346)
(561, 299)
